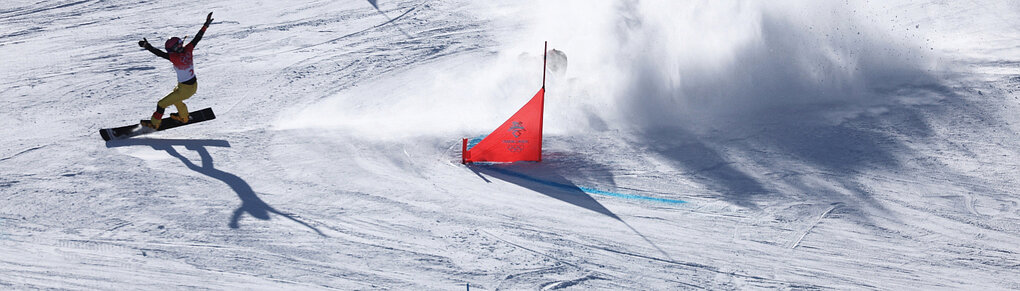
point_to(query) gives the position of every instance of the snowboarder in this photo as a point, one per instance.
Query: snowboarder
(181, 57)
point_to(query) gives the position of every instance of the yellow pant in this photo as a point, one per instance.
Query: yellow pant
(177, 97)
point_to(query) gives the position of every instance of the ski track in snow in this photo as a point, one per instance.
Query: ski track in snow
(913, 189)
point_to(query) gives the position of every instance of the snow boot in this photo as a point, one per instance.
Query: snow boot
(179, 117)
(157, 118)
(182, 112)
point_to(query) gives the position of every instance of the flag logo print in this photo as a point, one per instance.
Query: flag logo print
(517, 128)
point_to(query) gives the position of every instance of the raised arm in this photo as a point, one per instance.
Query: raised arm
(201, 32)
(145, 44)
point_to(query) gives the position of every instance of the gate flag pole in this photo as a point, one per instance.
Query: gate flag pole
(545, 56)
(541, 114)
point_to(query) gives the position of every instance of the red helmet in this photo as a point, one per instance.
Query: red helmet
(173, 44)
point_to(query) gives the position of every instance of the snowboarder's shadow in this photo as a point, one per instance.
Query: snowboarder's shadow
(250, 202)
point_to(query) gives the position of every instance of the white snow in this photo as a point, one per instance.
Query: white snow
(815, 145)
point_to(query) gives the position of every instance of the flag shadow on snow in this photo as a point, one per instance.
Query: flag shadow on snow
(250, 202)
(542, 179)
(375, 4)
(390, 20)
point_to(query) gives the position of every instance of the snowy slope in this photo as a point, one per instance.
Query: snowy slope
(690, 145)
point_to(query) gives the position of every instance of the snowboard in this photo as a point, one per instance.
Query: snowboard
(123, 132)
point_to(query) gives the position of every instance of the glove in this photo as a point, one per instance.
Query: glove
(144, 42)
(208, 19)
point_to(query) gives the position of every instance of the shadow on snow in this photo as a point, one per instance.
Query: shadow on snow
(250, 202)
(390, 20)
(546, 179)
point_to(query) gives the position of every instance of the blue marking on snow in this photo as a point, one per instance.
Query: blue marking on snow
(629, 196)
(588, 190)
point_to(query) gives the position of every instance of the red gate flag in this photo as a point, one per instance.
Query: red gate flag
(518, 139)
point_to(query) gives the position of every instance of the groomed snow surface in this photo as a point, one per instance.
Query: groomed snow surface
(689, 145)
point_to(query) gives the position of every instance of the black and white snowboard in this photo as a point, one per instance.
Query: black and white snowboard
(167, 123)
